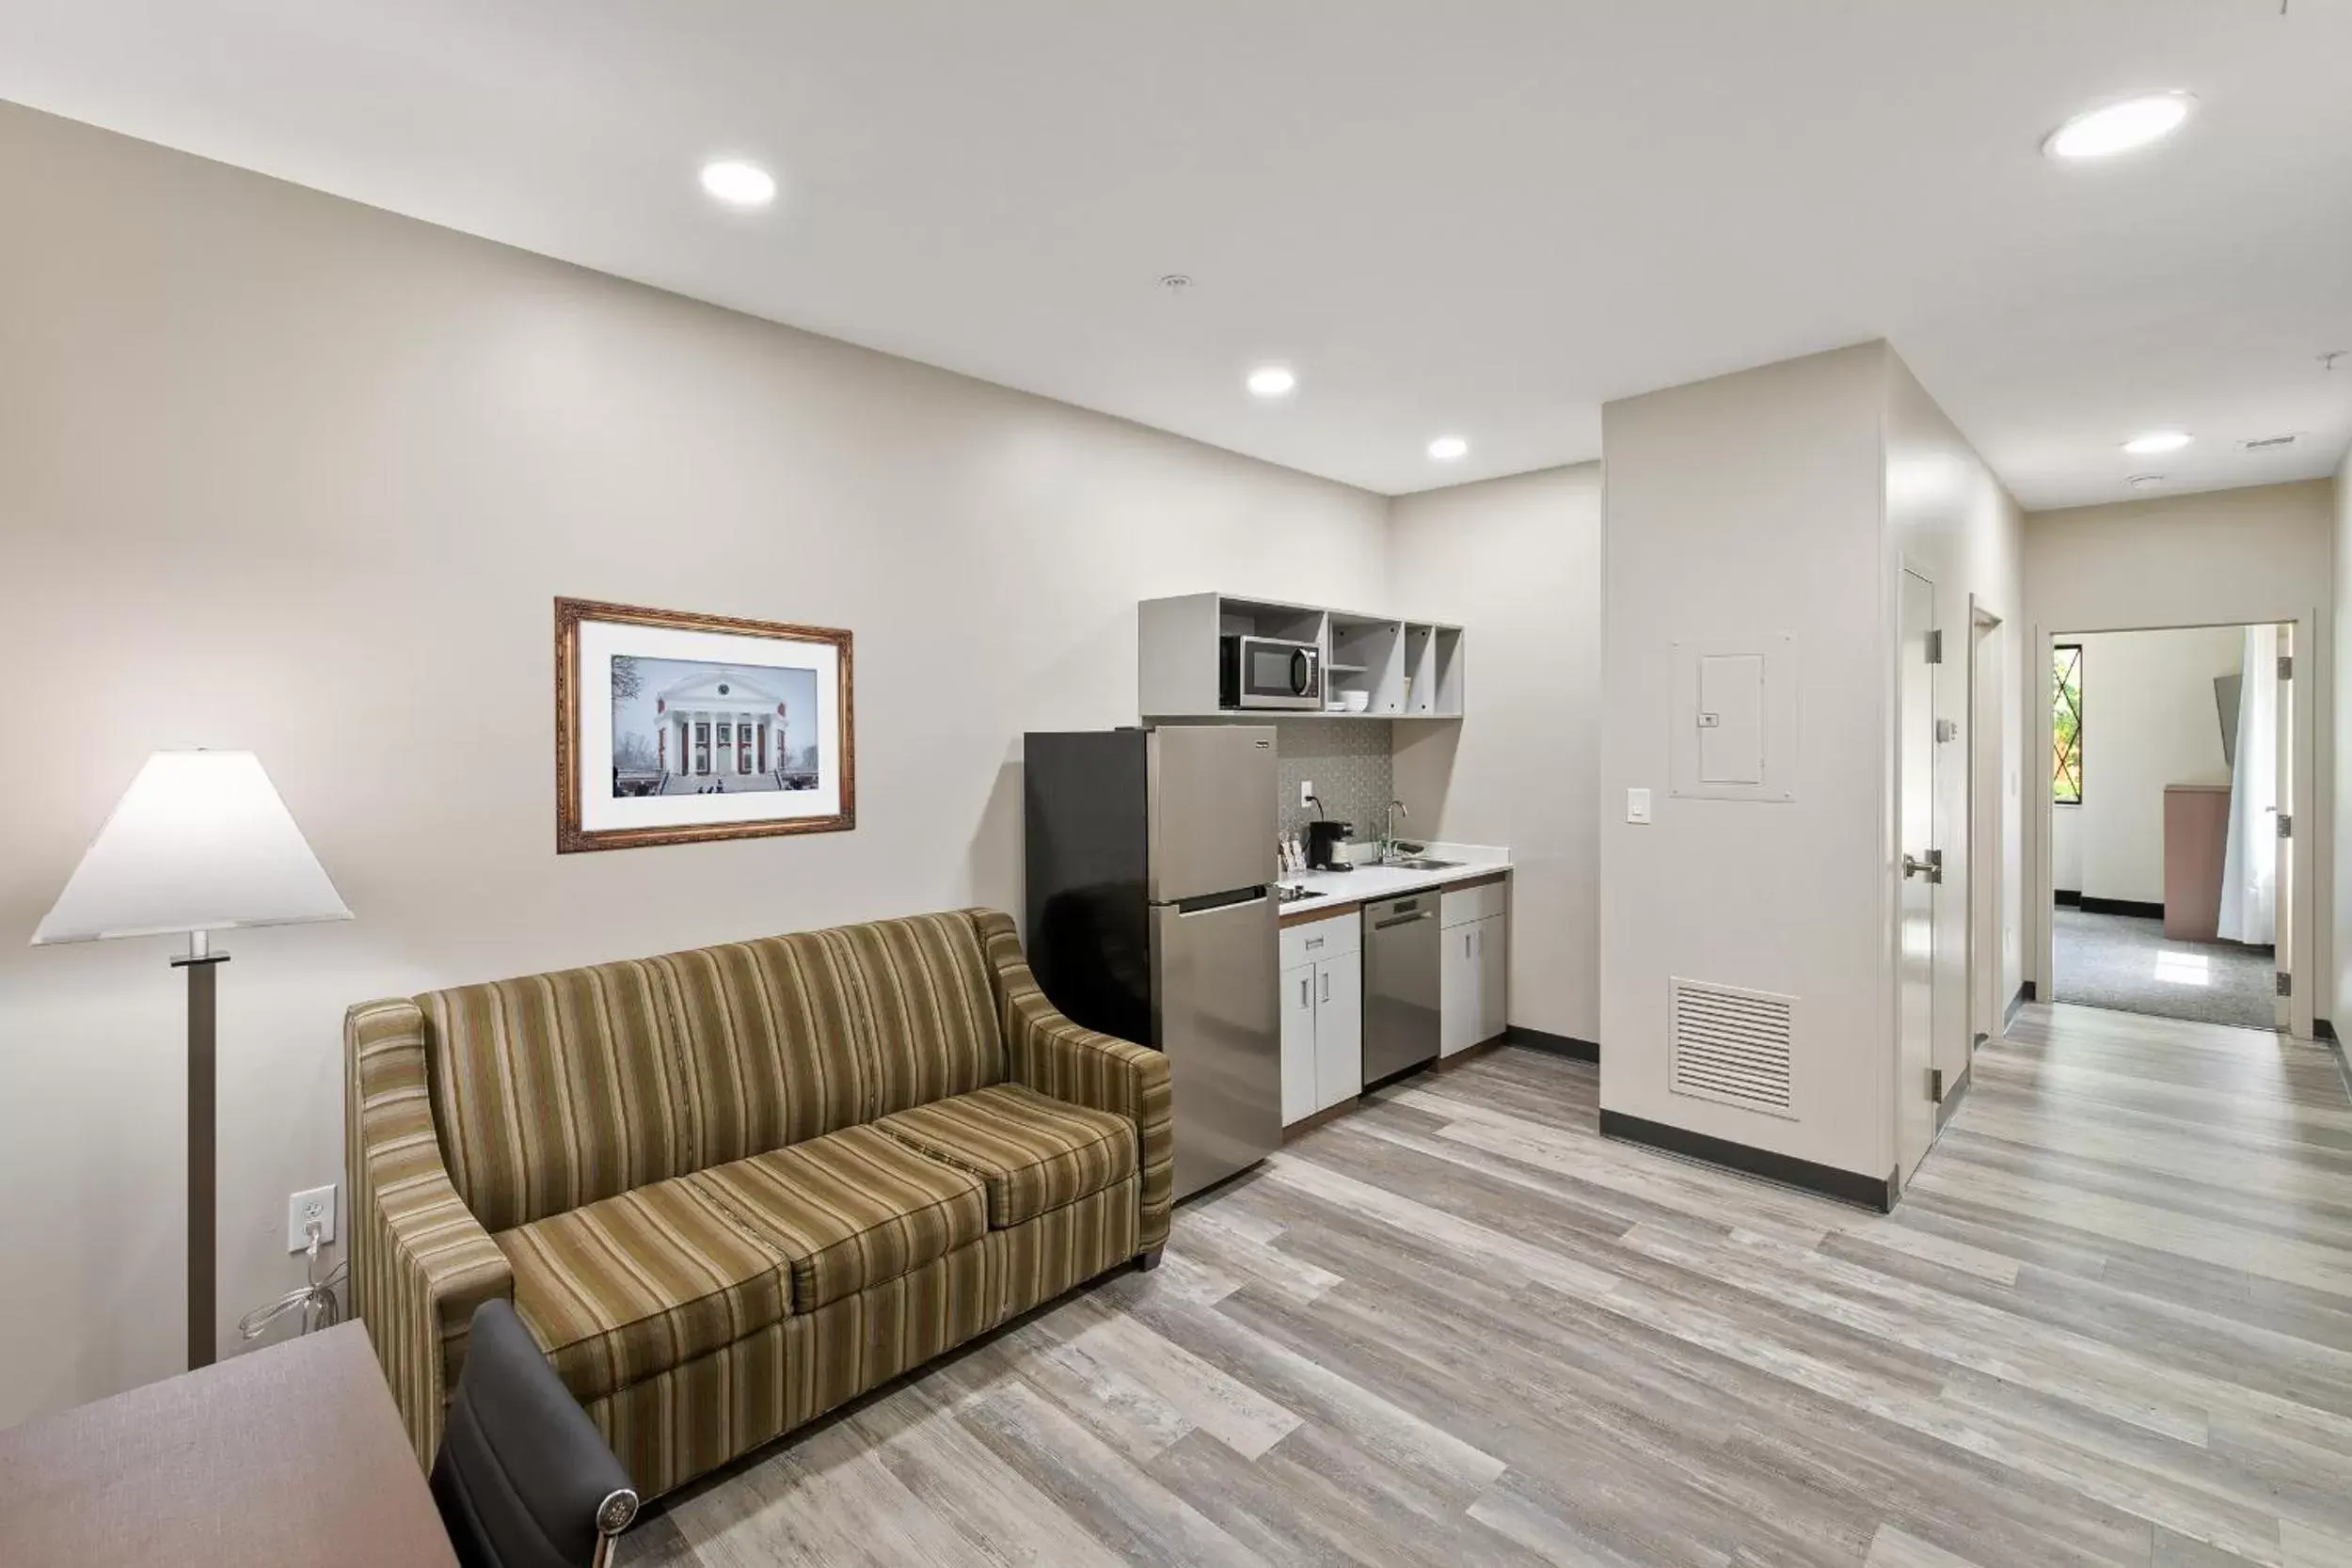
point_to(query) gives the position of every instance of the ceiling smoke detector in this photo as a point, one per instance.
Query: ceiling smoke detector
(2145, 482)
(1175, 282)
(2270, 443)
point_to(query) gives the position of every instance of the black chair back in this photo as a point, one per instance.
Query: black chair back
(523, 1479)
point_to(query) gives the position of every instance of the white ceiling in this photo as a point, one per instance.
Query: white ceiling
(1448, 216)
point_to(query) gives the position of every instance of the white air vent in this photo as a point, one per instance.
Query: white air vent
(2268, 443)
(1732, 1046)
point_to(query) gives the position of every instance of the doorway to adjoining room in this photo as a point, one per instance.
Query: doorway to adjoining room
(2169, 767)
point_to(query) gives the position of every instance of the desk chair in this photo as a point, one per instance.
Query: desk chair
(523, 1479)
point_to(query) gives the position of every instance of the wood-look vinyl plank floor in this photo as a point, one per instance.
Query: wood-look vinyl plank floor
(2109, 1324)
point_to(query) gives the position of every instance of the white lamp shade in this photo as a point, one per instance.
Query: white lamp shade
(200, 842)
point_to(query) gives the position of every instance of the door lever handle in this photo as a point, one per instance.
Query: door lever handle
(1931, 868)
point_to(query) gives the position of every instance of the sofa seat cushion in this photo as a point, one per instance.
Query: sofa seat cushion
(849, 1210)
(1032, 1153)
(634, 1285)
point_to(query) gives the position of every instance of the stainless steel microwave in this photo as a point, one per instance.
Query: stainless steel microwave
(1270, 672)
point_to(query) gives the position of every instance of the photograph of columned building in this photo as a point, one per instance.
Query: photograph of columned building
(684, 726)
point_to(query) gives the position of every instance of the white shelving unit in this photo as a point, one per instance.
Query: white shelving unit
(1407, 669)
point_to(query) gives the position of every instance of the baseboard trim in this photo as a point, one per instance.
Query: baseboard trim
(2121, 906)
(1953, 1096)
(2009, 1014)
(1876, 1193)
(1559, 1045)
(2067, 897)
(1327, 1114)
(2325, 1033)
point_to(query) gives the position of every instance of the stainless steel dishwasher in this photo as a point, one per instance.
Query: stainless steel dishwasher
(1400, 984)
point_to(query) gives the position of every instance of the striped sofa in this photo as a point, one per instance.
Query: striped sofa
(729, 1189)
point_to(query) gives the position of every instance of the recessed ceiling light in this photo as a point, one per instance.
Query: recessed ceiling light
(2102, 132)
(2145, 482)
(1272, 381)
(2157, 442)
(1445, 449)
(738, 183)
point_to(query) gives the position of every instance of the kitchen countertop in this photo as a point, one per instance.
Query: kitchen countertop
(1343, 888)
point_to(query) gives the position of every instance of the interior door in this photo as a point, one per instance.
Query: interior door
(2283, 1004)
(1919, 869)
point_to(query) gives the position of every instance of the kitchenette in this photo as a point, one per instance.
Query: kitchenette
(1226, 881)
(1389, 967)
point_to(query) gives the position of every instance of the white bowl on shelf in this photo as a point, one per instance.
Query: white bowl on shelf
(1357, 702)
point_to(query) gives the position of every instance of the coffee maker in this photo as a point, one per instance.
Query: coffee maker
(1324, 838)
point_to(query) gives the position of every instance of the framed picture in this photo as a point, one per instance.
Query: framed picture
(672, 727)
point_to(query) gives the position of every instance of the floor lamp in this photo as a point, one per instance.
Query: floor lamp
(199, 843)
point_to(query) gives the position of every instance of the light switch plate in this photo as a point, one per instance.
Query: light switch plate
(1637, 806)
(301, 1209)
(1306, 793)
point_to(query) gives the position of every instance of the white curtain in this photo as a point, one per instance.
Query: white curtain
(2249, 862)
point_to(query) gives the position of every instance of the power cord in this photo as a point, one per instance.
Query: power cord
(315, 1300)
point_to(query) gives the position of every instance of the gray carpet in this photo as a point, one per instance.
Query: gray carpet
(2121, 960)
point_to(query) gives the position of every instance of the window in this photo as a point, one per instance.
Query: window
(2066, 723)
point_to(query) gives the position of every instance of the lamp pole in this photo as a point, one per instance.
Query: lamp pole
(202, 965)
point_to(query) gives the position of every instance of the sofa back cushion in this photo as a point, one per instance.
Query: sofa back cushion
(554, 1090)
(774, 1043)
(933, 1009)
(791, 1037)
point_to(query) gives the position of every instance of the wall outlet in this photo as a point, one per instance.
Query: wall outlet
(1637, 806)
(317, 1204)
(1306, 793)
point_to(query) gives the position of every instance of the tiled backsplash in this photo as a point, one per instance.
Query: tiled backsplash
(1348, 759)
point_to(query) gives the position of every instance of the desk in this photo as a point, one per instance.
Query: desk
(287, 1457)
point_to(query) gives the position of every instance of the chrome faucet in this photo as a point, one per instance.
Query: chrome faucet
(1387, 830)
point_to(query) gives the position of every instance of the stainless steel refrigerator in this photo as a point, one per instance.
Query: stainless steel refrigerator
(1150, 917)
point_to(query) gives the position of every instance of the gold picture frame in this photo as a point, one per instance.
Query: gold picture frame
(673, 727)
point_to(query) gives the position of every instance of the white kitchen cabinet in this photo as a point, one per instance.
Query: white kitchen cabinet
(1339, 1030)
(1494, 975)
(1323, 1016)
(1457, 987)
(1473, 969)
(1298, 1043)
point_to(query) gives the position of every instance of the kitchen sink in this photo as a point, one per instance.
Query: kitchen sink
(1422, 863)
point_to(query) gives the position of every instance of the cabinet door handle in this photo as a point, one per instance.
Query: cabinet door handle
(1326, 988)
(1466, 943)
(1304, 999)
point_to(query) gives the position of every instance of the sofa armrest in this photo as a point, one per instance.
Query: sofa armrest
(420, 1261)
(1053, 1055)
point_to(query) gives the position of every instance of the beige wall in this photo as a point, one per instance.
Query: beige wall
(1518, 561)
(2338, 961)
(1951, 520)
(284, 472)
(1740, 509)
(1789, 499)
(2224, 557)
